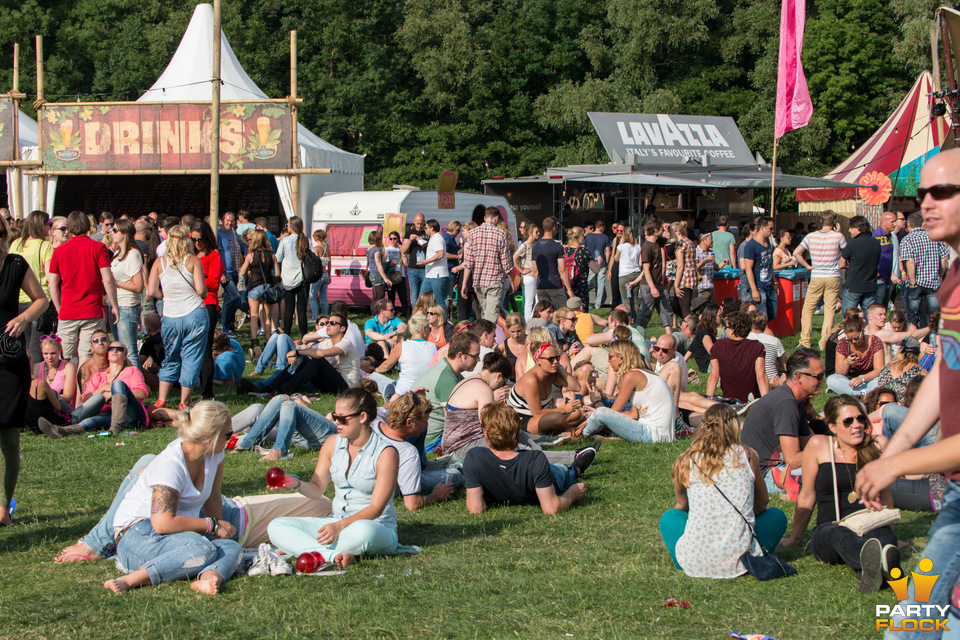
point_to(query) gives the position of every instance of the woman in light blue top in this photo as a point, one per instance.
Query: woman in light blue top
(293, 248)
(363, 468)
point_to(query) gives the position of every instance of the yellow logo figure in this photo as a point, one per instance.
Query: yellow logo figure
(923, 584)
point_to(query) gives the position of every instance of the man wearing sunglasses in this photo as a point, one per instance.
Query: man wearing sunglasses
(776, 426)
(924, 260)
(937, 400)
(99, 347)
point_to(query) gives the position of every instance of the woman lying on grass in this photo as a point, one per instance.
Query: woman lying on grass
(159, 533)
(704, 533)
(363, 467)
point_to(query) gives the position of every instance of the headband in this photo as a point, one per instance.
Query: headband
(540, 350)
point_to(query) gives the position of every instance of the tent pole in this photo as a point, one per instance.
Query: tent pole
(951, 80)
(936, 56)
(294, 148)
(215, 129)
(773, 181)
(41, 180)
(16, 188)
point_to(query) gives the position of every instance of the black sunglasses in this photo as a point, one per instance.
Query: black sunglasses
(848, 421)
(819, 376)
(550, 358)
(99, 340)
(117, 349)
(342, 419)
(939, 191)
(59, 228)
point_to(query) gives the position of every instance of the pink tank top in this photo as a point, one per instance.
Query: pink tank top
(58, 381)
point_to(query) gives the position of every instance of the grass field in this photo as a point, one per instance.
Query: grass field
(599, 570)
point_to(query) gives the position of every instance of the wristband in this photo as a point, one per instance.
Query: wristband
(211, 522)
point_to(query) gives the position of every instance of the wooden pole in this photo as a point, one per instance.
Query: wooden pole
(936, 57)
(773, 181)
(41, 180)
(215, 129)
(295, 147)
(16, 188)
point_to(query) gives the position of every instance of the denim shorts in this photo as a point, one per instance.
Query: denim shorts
(257, 292)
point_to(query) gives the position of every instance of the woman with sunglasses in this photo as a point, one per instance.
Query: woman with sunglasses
(53, 391)
(441, 331)
(127, 268)
(859, 360)
(396, 293)
(363, 467)
(205, 246)
(534, 391)
(158, 530)
(58, 231)
(112, 399)
(35, 247)
(848, 449)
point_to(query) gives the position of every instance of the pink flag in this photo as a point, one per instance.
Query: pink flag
(793, 98)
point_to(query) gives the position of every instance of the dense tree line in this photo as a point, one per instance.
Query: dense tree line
(501, 87)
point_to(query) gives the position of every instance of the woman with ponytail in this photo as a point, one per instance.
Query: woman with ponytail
(290, 254)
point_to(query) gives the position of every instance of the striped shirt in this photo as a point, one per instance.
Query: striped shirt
(487, 255)
(824, 248)
(926, 254)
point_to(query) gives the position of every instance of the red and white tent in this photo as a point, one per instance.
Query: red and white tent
(898, 149)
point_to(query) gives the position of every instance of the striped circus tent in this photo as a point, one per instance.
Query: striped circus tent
(898, 149)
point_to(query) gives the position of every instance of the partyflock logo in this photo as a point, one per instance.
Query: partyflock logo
(921, 616)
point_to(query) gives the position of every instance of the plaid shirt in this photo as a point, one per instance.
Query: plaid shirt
(706, 274)
(689, 279)
(487, 255)
(926, 254)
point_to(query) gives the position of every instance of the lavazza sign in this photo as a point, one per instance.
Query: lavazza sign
(670, 139)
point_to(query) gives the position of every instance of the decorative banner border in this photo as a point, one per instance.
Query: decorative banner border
(8, 143)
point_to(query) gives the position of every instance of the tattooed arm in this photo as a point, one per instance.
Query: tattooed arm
(163, 513)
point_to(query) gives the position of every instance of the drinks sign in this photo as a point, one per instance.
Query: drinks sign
(447, 193)
(164, 137)
(8, 145)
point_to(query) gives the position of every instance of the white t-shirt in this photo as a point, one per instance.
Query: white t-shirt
(629, 259)
(353, 334)
(438, 269)
(348, 364)
(170, 470)
(773, 349)
(123, 271)
(161, 248)
(408, 473)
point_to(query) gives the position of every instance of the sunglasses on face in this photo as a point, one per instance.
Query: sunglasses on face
(342, 419)
(819, 376)
(848, 421)
(938, 192)
(334, 323)
(61, 229)
(657, 349)
(473, 355)
(120, 349)
(550, 359)
(100, 340)
(322, 323)
(432, 313)
(885, 402)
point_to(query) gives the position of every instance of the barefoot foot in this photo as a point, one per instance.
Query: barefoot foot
(80, 552)
(344, 560)
(210, 586)
(117, 585)
(271, 456)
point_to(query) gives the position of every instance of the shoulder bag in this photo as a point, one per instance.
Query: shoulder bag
(273, 292)
(863, 520)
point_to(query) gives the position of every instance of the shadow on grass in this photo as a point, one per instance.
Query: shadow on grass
(432, 534)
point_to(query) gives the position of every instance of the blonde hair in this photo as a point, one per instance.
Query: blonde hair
(719, 431)
(537, 337)
(575, 235)
(203, 422)
(437, 309)
(259, 241)
(177, 246)
(416, 323)
(629, 237)
(424, 302)
(503, 227)
(630, 357)
(514, 319)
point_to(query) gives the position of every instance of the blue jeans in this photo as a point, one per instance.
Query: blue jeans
(279, 345)
(884, 292)
(289, 417)
(563, 477)
(841, 384)
(231, 302)
(626, 427)
(893, 415)
(769, 527)
(415, 282)
(916, 298)
(125, 330)
(90, 416)
(385, 385)
(598, 280)
(438, 286)
(768, 299)
(184, 341)
(943, 549)
(175, 556)
(318, 295)
(863, 300)
(430, 478)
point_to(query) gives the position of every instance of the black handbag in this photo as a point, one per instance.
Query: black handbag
(273, 292)
(766, 566)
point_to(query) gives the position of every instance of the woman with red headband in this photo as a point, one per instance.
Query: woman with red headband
(534, 391)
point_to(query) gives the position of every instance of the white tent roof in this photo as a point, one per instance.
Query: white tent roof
(27, 127)
(187, 77)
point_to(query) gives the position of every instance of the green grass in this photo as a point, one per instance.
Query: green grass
(599, 570)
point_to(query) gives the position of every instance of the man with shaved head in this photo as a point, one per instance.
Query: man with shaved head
(939, 196)
(888, 269)
(414, 250)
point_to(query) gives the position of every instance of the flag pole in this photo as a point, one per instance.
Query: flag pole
(773, 179)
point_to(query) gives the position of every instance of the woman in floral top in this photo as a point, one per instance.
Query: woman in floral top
(902, 369)
(579, 280)
(859, 360)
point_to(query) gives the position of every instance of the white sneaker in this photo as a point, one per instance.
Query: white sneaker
(278, 566)
(261, 566)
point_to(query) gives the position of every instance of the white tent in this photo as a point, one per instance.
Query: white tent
(28, 150)
(187, 78)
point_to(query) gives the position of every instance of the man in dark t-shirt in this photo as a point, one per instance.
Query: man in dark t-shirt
(414, 250)
(503, 475)
(653, 290)
(776, 426)
(598, 244)
(553, 281)
(861, 256)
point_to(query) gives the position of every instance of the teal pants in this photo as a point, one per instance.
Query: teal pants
(769, 527)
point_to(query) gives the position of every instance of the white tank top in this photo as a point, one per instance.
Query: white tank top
(179, 296)
(414, 360)
(655, 404)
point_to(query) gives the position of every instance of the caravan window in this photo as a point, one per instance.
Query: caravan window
(349, 239)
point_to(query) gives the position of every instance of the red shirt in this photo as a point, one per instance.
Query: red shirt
(78, 262)
(212, 270)
(738, 360)
(948, 341)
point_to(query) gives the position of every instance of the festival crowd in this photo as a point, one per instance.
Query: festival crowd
(106, 318)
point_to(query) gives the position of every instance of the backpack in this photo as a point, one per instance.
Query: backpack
(568, 259)
(312, 268)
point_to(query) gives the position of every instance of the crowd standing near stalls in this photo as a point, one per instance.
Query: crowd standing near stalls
(495, 394)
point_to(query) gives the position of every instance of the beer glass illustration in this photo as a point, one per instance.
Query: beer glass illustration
(66, 132)
(263, 130)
